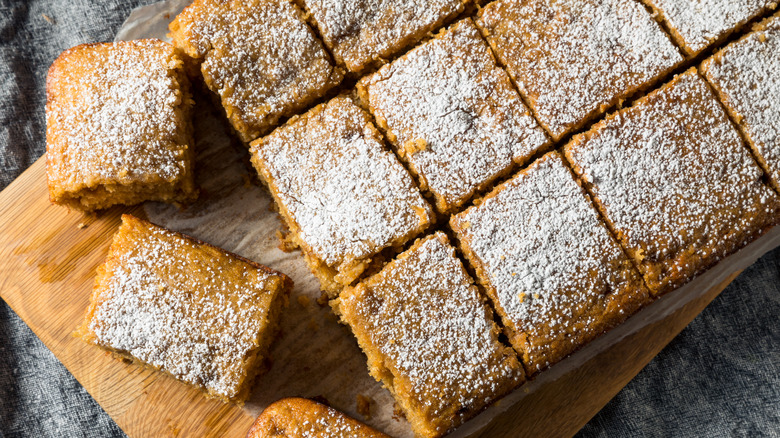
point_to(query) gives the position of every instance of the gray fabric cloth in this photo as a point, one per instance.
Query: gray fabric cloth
(719, 377)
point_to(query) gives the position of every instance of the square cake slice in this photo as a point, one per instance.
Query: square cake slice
(453, 115)
(573, 59)
(675, 182)
(746, 76)
(361, 33)
(696, 24)
(259, 56)
(554, 273)
(197, 312)
(429, 337)
(118, 127)
(343, 195)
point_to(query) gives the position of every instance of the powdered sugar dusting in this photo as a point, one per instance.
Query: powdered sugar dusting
(195, 314)
(360, 32)
(349, 196)
(304, 418)
(746, 77)
(571, 57)
(424, 316)
(450, 95)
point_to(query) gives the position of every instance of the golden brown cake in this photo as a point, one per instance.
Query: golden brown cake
(429, 337)
(259, 56)
(571, 59)
(118, 128)
(295, 417)
(675, 182)
(344, 197)
(194, 311)
(697, 24)
(745, 76)
(554, 273)
(452, 115)
(360, 33)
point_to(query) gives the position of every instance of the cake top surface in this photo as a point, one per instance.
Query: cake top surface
(360, 32)
(745, 74)
(190, 309)
(672, 171)
(260, 56)
(425, 318)
(701, 22)
(349, 196)
(449, 98)
(112, 115)
(570, 57)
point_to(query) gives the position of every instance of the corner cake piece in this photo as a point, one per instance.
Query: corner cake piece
(296, 417)
(118, 128)
(429, 337)
(675, 182)
(360, 33)
(453, 115)
(696, 24)
(194, 311)
(259, 56)
(344, 197)
(554, 273)
(745, 76)
(571, 60)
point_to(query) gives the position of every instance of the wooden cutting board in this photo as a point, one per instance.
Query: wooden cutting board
(48, 258)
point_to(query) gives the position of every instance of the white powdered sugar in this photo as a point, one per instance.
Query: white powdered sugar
(425, 318)
(170, 304)
(359, 32)
(570, 58)
(449, 97)
(112, 116)
(349, 197)
(699, 23)
(746, 76)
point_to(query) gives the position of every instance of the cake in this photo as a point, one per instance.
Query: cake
(675, 182)
(344, 196)
(554, 273)
(178, 305)
(429, 337)
(697, 24)
(572, 60)
(745, 77)
(118, 128)
(296, 417)
(452, 115)
(362, 34)
(259, 56)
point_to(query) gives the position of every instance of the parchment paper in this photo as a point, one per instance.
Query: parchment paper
(316, 356)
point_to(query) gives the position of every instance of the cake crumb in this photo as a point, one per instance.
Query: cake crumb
(303, 300)
(363, 406)
(48, 19)
(286, 244)
(322, 301)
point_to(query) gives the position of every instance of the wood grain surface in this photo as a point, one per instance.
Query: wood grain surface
(48, 258)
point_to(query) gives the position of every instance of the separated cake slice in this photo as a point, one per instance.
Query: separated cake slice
(453, 115)
(342, 194)
(429, 337)
(697, 24)
(746, 76)
(118, 128)
(675, 182)
(554, 273)
(259, 56)
(571, 59)
(362, 33)
(194, 311)
(296, 417)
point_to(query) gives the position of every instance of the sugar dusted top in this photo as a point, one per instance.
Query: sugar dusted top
(745, 75)
(571, 57)
(453, 114)
(302, 418)
(349, 197)
(113, 115)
